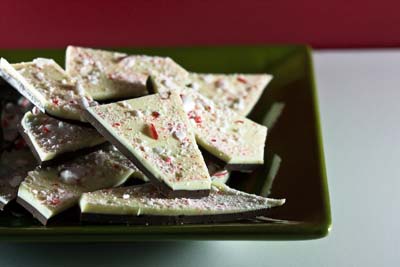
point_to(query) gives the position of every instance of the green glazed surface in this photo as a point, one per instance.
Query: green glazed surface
(296, 138)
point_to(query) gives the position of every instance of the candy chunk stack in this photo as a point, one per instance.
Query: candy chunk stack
(82, 135)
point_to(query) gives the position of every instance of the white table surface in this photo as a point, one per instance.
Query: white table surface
(359, 93)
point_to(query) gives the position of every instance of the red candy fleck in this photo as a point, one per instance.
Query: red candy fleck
(241, 79)
(155, 114)
(213, 140)
(239, 121)
(45, 129)
(116, 124)
(55, 101)
(153, 131)
(168, 160)
(197, 119)
(221, 173)
(55, 201)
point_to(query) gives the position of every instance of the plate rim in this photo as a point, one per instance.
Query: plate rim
(301, 231)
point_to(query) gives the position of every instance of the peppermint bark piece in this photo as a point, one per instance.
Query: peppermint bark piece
(88, 67)
(223, 133)
(144, 205)
(47, 86)
(154, 133)
(239, 92)
(273, 114)
(108, 75)
(46, 192)
(53, 141)
(14, 166)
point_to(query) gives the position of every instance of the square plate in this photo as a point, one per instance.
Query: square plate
(296, 138)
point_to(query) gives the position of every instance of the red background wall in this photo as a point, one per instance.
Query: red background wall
(340, 23)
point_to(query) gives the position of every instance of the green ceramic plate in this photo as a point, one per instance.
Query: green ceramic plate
(296, 138)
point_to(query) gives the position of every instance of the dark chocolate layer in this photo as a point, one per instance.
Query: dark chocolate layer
(161, 186)
(35, 213)
(227, 166)
(169, 220)
(76, 122)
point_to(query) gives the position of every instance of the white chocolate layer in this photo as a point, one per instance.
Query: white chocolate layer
(156, 131)
(111, 75)
(52, 137)
(221, 131)
(146, 200)
(239, 92)
(47, 86)
(54, 189)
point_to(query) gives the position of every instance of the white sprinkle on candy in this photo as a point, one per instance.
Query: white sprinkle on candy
(41, 62)
(68, 177)
(179, 135)
(39, 76)
(158, 150)
(125, 104)
(188, 103)
(164, 95)
(208, 78)
(85, 70)
(126, 196)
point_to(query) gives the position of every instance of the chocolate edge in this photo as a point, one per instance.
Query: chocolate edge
(35, 213)
(229, 167)
(169, 220)
(75, 122)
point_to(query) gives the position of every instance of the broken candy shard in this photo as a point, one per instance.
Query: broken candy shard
(51, 139)
(223, 133)
(47, 86)
(109, 75)
(144, 205)
(273, 114)
(239, 92)
(14, 166)
(46, 192)
(216, 171)
(154, 133)
(221, 176)
(274, 166)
